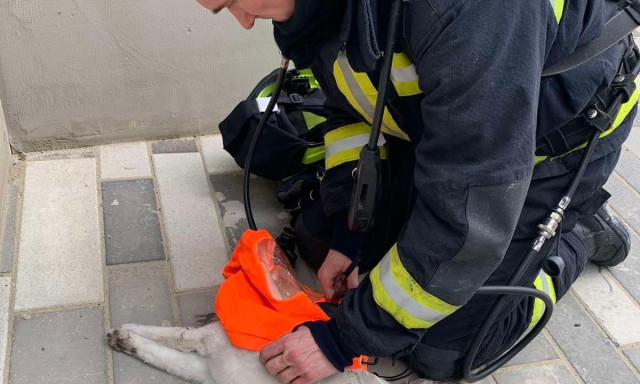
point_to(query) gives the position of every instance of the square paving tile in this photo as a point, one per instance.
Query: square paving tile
(5, 291)
(216, 159)
(542, 374)
(60, 347)
(194, 305)
(131, 224)
(590, 352)
(539, 349)
(196, 245)
(174, 146)
(633, 142)
(139, 293)
(124, 161)
(267, 211)
(60, 244)
(610, 305)
(9, 229)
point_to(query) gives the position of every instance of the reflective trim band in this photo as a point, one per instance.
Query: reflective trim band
(404, 76)
(622, 114)
(361, 94)
(558, 8)
(395, 291)
(313, 154)
(544, 283)
(344, 144)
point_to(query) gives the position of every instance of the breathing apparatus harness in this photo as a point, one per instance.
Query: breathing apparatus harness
(599, 115)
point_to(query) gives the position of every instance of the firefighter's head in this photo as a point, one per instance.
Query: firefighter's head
(247, 11)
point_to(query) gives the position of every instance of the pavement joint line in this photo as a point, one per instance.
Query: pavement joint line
(106, 313)
(173, 301)
(600, 328)
(17, 175)
(562, 355)
(26, 314)
(521, 367)
(216, 205)
(197, 291)
(132, 178)
(631, 346)
(624, 146)
(116, 267)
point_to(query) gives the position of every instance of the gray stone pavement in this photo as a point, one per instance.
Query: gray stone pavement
(138, 232)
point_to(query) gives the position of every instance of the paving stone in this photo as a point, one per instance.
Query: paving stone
(633, 142)
(629, 168)
(216, 159)
(196, 245)
(628, 272)
(194, 305)
(174, 146)
(124, 161)
(139, 293)
(609, 304)
(541, 374)
(59, 347)
(267, 211)
(5, 291)
(634, 356)
(594, 358)
(306, 275)
(131, 224)
(9, 230)
(539, 349)
(59, 264)
(624, 200)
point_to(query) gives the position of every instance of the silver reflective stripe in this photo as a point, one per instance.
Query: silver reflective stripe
(357, 141)
(355, 89)
(400, 297)
(545, 287)
(402, 75)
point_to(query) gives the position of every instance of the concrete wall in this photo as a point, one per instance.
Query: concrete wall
(85, 72)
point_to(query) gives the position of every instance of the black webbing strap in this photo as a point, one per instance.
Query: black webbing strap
(616, 29)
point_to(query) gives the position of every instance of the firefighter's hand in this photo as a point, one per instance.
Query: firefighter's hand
(331, 275)
(296, 358)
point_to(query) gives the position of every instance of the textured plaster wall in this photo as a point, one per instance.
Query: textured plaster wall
(85, 72)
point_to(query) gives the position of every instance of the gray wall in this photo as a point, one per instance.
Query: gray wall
(85, 72)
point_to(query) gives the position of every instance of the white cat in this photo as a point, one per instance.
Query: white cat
(205, 355)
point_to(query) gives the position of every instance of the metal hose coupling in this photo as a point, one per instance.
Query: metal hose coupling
(547, 229)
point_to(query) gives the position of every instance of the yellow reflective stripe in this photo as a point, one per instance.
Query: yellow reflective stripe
(385, 302)
(407, 88)
(558, 9)
(543, 282)
(361, 95)
(396, 292)
(313, 154)
(346, 131)
(413, 289)
(404, 76)
(352, 154)
(622, 114)
(401, 60)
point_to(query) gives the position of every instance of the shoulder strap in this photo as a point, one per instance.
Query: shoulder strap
(616, 29)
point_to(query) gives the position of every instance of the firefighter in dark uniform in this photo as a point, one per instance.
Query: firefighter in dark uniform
(469, 170)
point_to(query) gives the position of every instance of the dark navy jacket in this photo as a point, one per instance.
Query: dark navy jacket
(478, 196)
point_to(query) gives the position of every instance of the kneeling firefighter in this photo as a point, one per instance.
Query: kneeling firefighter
(477, 148)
